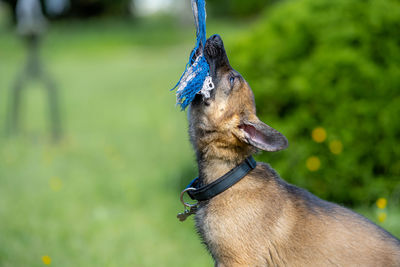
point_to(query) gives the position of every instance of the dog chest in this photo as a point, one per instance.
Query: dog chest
(233, 231)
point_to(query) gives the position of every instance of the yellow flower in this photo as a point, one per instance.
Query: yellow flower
(381, 203)
(319, 134)
(55, 184)
(336, 147)
(313, 163)
(382, 217)
(46, 260)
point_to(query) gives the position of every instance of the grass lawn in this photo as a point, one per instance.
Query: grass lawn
(107, 194)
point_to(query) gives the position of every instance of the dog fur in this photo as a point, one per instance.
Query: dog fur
(262, 220)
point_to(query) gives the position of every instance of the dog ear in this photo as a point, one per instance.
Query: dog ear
(262, 136)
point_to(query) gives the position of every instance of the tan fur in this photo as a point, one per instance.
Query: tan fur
(258, 223)
(262, 220)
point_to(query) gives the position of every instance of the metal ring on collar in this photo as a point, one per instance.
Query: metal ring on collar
(186, 204)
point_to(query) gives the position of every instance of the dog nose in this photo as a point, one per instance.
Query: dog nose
(216, 39)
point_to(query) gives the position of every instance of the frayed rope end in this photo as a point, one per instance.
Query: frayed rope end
(195, 79)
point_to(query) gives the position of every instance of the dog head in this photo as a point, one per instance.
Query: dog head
(227, 120)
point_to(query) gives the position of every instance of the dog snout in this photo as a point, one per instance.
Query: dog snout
(215, 54)
(214, 45)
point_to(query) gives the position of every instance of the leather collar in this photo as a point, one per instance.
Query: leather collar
(203, 193)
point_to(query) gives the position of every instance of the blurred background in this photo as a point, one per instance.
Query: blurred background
(94, 153)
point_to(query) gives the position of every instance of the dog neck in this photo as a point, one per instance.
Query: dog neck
(217, 151)
(211, 170)
(213, 164)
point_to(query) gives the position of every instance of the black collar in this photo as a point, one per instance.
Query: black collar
(202, 193)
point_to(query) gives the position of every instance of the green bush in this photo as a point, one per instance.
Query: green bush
(333, 64)
(238, 8)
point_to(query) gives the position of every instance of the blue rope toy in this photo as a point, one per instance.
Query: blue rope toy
(196, 78)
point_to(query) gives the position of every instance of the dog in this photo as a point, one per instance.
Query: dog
(262, 220)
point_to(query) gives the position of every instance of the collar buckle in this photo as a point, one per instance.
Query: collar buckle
(251, 162)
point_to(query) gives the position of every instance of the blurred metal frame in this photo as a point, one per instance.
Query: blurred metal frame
(31, 25)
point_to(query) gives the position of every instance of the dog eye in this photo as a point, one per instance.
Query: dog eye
(232, 80)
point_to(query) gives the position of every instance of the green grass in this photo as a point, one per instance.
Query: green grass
(107, 195)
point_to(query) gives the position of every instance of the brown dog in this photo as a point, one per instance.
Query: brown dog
(262, 220)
